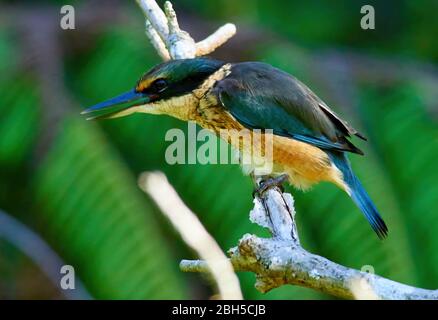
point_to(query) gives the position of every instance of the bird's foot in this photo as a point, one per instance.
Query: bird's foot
(270, 182)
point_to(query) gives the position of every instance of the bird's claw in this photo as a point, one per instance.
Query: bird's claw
(268, 183)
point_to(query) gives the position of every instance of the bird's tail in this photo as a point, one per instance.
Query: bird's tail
(358, 194)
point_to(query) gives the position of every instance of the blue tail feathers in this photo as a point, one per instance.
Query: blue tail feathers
(359, 195)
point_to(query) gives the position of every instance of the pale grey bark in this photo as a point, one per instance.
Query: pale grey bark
(170, 41)
(281, 260)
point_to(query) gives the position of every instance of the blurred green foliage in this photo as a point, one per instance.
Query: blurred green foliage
(82, 197)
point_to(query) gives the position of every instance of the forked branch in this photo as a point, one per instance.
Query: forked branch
(170, 41)
(281, 260)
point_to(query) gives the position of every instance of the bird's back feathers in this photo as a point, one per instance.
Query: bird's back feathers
(261, 96)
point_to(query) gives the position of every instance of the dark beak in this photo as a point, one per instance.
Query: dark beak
(117, 106)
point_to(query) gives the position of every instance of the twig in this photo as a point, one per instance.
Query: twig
(193, 233)
(156, 41)
(156, 17)
(170, 41)
(218, 38)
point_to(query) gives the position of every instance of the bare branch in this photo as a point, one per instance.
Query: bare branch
(170, 41)
(156, 41)
(218, 38)
(281, 223)
(172, 20)
(193, 233)
(155, 16)
(281, 260)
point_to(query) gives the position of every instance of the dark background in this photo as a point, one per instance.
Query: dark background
(73, 182)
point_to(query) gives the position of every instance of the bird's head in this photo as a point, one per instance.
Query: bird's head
(158, 90)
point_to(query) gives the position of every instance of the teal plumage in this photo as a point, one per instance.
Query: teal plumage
(310, 140)
(358, 194)
(262, 97)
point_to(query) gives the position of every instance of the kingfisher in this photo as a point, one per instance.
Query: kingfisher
(310, 141)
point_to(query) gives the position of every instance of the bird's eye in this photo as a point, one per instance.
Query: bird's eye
(159, 85)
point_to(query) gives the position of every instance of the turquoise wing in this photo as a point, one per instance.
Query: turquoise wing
(262, 97)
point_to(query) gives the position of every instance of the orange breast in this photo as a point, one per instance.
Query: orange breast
(304, 163)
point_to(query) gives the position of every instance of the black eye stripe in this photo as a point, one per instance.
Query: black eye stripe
(159, 85)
